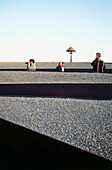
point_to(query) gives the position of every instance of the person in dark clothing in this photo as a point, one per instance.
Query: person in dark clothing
(58, 68)
(98, 64)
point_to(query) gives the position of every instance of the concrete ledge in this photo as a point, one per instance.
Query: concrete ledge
(52, 70)
(51, 66)
(80, 70)
(93, 91)
(44, 152)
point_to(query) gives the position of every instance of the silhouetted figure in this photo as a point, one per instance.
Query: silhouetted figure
(98, 64)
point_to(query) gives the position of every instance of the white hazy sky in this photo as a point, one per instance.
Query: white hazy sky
(45, 29)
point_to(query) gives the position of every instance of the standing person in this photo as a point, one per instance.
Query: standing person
(31, 65)
(98, 64)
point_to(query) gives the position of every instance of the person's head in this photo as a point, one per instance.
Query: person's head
(60, 63)
(98, 56)
(31, 61)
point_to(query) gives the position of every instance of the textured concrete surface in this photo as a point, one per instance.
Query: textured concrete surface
(82, 123)
(53, 77)
(21, 65)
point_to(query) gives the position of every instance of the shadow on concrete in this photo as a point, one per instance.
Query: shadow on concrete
(54, 70)
(91, 91)
(21, 148)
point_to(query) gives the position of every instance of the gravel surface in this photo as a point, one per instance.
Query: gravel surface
(82, 123)
(54, 77)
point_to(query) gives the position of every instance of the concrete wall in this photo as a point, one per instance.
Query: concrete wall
(33, 150)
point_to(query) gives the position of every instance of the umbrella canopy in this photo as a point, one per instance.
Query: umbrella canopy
(70, 50)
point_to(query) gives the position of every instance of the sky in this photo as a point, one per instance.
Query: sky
(45, 29)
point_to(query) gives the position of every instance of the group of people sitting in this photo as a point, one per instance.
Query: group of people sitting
(98, 65)
(31, 66)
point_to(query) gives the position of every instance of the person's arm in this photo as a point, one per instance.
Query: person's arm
(103, 68)
(28, 66)
(94, 62)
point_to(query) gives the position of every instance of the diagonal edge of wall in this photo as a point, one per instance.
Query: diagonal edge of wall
(46, 152)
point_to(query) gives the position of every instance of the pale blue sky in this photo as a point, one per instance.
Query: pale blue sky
(45, 29)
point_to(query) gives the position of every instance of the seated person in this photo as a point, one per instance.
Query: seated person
(98, 64)
(60, 66)
(31, 65)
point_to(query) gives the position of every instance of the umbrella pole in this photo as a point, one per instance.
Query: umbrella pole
(71, 57)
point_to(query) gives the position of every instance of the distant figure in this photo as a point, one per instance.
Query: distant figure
(98, 64)
(31, 65)
(60, 66)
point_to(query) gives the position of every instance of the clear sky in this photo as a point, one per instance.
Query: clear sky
(45, 29)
